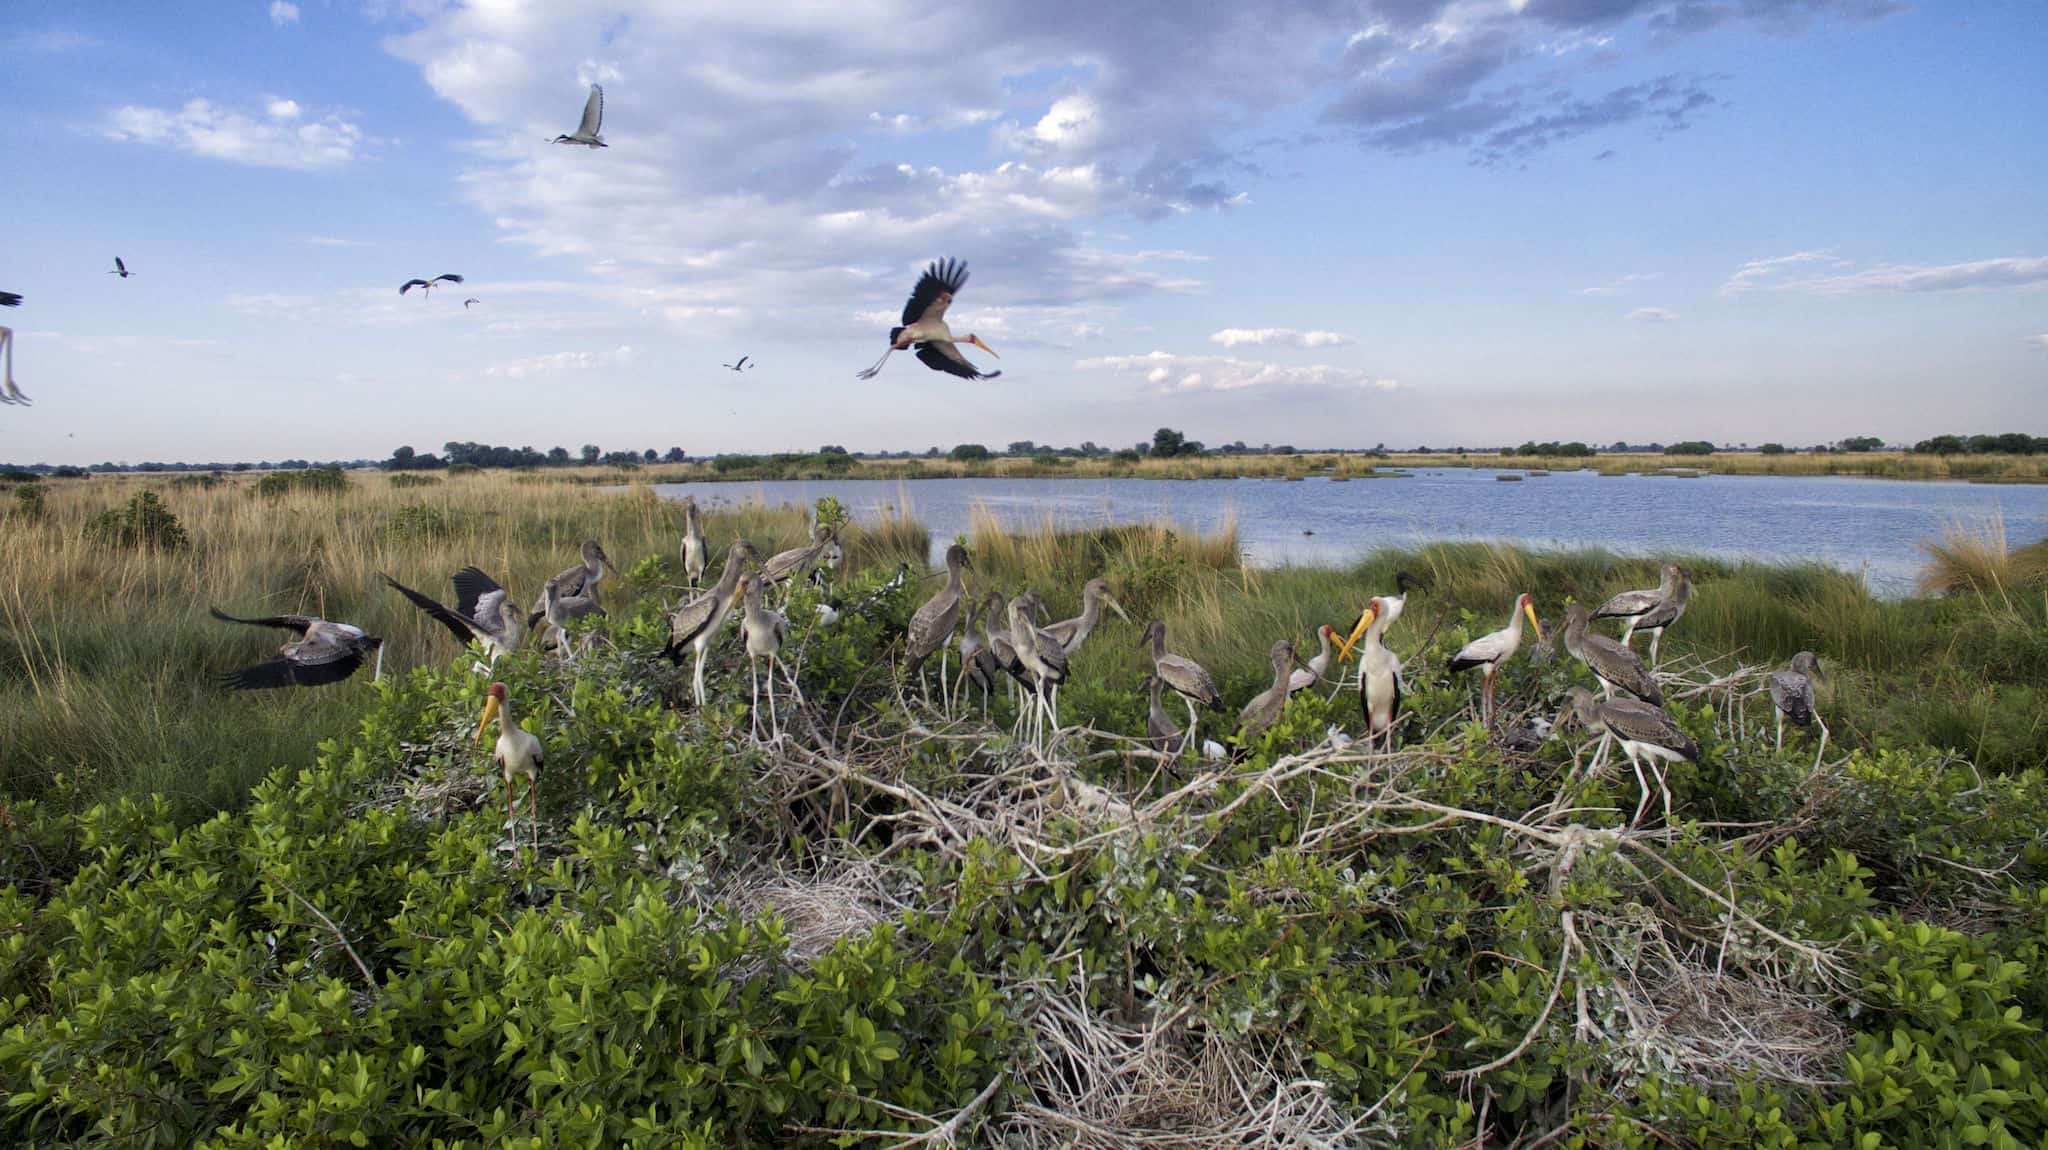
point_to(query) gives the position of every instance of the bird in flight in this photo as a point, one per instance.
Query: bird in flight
(467, 302)
(593, 120)
(323, 653)
(740, 366)
(924, 325)
(119, 269)
(427, 286)
(8, 392)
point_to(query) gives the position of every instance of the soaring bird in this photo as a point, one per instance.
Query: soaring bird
(483, 612)
(1491, 650)
(924, 325)
(10, 299)
(695, 624)
(740, 366)
(1182, 675)
(427, 286)
(1792, 694)
(1614, 665)
(323, 653)
(119, 269)
(8, 392)
(586, 132)
(1646, 734)
(465, 303)
(518, 752)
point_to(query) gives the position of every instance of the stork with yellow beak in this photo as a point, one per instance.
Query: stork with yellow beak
(1379, 670)
(924, 325)
(1495, 648)
(518, 752)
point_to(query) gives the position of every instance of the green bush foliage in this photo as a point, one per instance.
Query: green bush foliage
(413, 479)
(143, 521)
(323, 480)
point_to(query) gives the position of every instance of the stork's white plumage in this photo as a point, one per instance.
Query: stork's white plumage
(1493, 649)
(9, 393)
(484, 612)
(427, 286)
(518, 752)
(1379, 670)
(924, 325)
(587, 129)
(1306, 677)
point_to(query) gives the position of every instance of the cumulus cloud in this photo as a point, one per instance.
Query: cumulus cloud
(1171, 374)
(1652, 315)
(2040, 341)
(1278, 336)
(1823, 273)
(277, 139)
(561, 361)
(283, 12)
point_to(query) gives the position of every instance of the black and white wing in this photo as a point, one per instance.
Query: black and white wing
(472, 587)
(315, 668)
(299, 623)
(459, 623)
(120, 269)
(451, 277)
(593, 113)
(467, 302)
(411, 284)
(1628, 604)
(945, 356)
(9, 299)
(935, 291)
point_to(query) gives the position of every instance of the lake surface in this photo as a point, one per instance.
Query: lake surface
(1868, 526)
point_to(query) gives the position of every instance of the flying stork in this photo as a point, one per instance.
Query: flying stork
(323, 653)
(593, 121)
(427, 286)
(740, 366)
(924, 325)
(465, 303)
(119, 269)
(8, 392)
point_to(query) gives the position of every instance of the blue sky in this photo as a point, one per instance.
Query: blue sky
(1330, 223)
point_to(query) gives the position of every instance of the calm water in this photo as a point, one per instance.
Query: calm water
(1870, 526)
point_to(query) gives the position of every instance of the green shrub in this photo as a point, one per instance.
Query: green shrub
(143, 521)
(420, 521)
(324, 480)
(29, 502)
(412, 479)
(463, 469)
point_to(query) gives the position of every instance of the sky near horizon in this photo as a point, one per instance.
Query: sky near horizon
(1328, 222)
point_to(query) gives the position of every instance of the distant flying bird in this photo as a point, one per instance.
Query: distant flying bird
(593, 120)
(924, 325)
(120, 269)
(323, 653)
(9, 299)
(427, 286)
(465, 303)
(8, 392)
(740, 366)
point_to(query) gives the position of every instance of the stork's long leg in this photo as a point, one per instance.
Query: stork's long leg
(774, 720)
(1486, 698)
(1193, 738)
(533, 810)
(1781, 732)
(1642, 786)
(697, 686)
(1656, 634)
(754, 710)
(377, 672)
(1628, 632)
(1822, 753)
(871, 372)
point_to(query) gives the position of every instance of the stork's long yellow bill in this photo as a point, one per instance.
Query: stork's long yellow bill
(1364, 621)
(1529, 609)
(490, 712)
(976, 341)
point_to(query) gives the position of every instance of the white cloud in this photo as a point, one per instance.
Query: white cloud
(1280, 336)
(2040, 341)
(1792, 273)
(337, 242)
(561, 361)
(278, 140)
(283, 12)
(1216, 373)
(1652, 315)
(1617, 286)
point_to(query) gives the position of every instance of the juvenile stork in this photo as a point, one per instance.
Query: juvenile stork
(119, 269)
(1265, 708)
(797, 560)
(1792, 695)
(1628, 606)
(323, 653)
(995, 635)
(587, 129)
(483, 612)
(1379, 669)
(764, 629)
(978, 666)
(1614, 665)
(8, 392)
(1071, 633)
(1042, 656)
(1646, 735)
(695, 624)
(427, 286)
(518, 752)
(1160, 729)
(932, 626)
(1183, 676)
(1666, 612)
(695, 550)
(1492, 650)
(577, 585)
(924, 325)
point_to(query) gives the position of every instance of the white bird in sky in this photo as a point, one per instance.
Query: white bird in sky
(924, 325)
(8, 392)
(427, 286)
(593, 121)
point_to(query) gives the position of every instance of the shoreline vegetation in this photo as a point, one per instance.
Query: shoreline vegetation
(298, 916)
